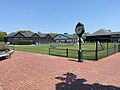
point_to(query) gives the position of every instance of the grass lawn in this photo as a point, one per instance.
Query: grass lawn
(43, 49)
(88, 49)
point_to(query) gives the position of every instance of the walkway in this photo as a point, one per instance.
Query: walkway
(29, 71)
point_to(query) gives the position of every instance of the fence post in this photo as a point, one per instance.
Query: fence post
(107, 48)
(96, 53)
(49, 50)
(66, 52)
(118, 47)
(114, 47)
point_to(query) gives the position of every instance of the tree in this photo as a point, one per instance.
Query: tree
(25, 31)
(2, 35)
(85, 34)
(39, 32)
(53, 34)
(75, 36)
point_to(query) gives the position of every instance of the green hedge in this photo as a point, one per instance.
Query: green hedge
(24, 42)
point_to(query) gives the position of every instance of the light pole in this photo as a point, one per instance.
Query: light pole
(79, 29)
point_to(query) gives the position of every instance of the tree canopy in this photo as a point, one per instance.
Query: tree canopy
(53, 34)
(2, 35)
(25, 31)
(85, 34)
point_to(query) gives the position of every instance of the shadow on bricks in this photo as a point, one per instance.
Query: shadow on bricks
(69, 81)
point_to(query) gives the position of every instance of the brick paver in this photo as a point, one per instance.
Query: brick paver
(29, 71)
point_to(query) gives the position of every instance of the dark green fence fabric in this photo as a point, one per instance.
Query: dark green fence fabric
(103, 50)
(86, 54)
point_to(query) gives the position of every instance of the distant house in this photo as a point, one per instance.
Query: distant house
(15, 37)
(103, 35)
(64, 38)
(41, 38)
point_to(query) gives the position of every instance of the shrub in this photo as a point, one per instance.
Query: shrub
(3, 47)
(24, 42)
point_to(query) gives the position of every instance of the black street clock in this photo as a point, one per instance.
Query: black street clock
(79, 29)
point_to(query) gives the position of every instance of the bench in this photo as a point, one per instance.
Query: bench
(7, 54)
(4, 55)
(10, 53)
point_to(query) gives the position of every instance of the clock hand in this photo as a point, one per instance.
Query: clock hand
(78, 29)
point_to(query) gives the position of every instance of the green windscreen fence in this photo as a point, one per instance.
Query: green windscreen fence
(99, 51)
(86, 54)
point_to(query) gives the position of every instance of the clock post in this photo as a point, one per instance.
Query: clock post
(79, 29)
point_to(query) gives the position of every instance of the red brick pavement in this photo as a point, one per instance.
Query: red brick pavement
(29, 71)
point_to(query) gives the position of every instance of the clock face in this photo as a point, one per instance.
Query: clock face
(78, 30)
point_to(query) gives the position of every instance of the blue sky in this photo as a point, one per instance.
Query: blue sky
(59, 16)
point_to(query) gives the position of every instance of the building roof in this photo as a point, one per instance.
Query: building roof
(116, 33)
(68, 35)
(26, 34)
(11, 34)
(42, 35)
(64, 36)
(101, 32)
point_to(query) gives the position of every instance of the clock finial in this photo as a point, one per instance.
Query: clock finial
(79, 24)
